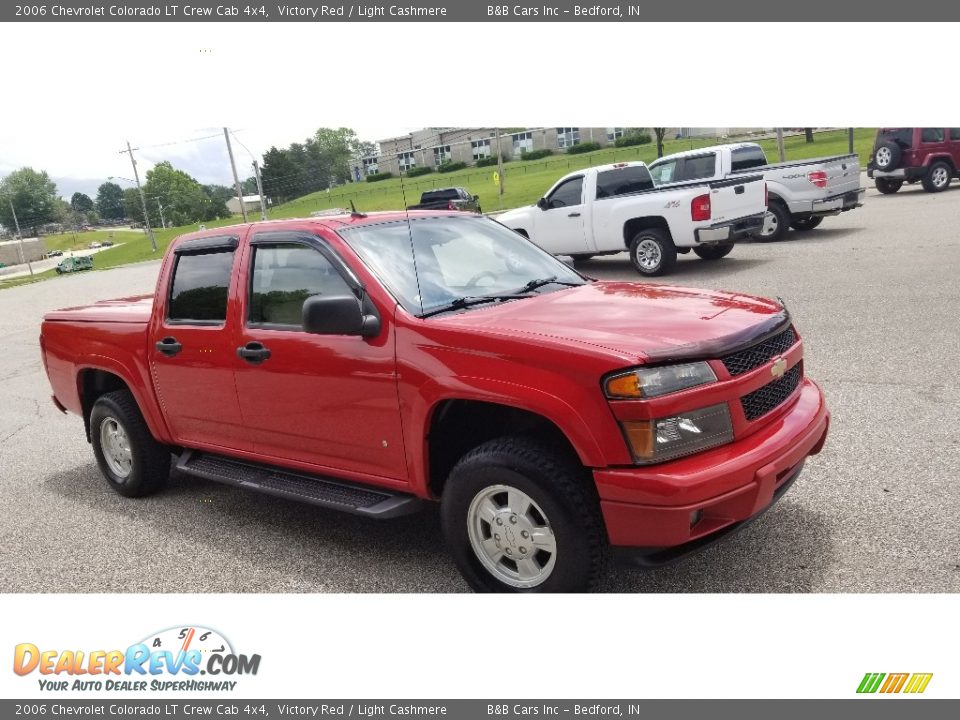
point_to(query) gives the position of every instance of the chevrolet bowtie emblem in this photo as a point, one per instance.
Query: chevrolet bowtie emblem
(778, 368)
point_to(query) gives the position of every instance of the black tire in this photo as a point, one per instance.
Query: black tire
(150, 461)
(564, 499)
(888, 186)
(938, 178)
(805, 224)
(887, 156)
(713, 252)
(581, 259)
(780, 223)
(645, 245)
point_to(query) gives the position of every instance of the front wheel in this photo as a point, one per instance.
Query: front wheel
(519, 516)
(776, 225)
(888, 186)
(579, 260)
(938, 177)
(133, 463)
(713, 252)
(806, 223)
(652, 252)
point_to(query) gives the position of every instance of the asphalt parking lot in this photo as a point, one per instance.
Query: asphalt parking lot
(874, 292)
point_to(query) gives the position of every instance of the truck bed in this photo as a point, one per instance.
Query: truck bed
(795, 163)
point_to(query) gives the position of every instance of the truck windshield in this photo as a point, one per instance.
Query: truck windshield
(431, 263)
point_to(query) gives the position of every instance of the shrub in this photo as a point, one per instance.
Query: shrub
(536, 154)
(486, 162)
(632, 139)
(418, 171)
(583, 148)
(450, 166)
(377, 177)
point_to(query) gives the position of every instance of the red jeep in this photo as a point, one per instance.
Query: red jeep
(930, 155)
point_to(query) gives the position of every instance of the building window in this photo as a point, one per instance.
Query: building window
(522, 143)
(613, 134)
(441, 154)
(568, 137)
(481, 149)
(371, 166)
(406, 160)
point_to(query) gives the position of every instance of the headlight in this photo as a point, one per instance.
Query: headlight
(655, 381)
(653, 441)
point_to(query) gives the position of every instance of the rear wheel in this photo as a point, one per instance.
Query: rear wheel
(776, 225)
(938, 177)
(133, 463)
(806, 223)
(888, 186)
(713, 252)
(519, 516)
(652, 252)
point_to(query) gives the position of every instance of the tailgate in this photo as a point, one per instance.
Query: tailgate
(737, 197)
(843, 174)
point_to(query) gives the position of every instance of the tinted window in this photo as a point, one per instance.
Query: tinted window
(701, 166)
(437, 195)
(745, 158)
(200, 283)
(623, 180)
(569, 193)
(902, 136)
(664, 172)
(931, 135)
(286, 275)
(955, 133)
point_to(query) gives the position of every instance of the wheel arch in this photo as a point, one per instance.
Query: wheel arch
(634, 225)
(94, 382)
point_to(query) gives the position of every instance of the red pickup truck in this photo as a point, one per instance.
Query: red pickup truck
(375, 363)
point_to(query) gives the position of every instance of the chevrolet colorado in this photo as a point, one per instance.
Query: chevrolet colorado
(375, 363)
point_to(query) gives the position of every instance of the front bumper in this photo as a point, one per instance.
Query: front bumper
(649, 510)
(730, 231)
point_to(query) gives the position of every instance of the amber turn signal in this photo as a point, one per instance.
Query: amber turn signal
(640, 435)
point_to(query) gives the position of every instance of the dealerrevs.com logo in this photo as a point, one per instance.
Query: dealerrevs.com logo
(893, 683)
(173, 659)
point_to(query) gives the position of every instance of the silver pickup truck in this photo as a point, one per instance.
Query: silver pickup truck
(800, 193)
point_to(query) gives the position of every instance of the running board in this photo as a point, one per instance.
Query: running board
(314, 490)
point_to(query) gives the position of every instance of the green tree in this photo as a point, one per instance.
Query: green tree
(185, 201)
(33, 194)
(249, 186)
(131, 205)
(660, 134)
(81, 202)
(110, 201)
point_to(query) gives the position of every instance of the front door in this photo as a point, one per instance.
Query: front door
(560, 228)
(327, 400)
(192, 347)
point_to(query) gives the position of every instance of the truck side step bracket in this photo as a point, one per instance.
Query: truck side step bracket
(314, 490)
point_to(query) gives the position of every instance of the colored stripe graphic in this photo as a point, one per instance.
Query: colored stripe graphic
(894, 683)
(870, 682)
(918, 683)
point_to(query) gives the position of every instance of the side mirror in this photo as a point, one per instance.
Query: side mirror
(338, 315)
(542, 204)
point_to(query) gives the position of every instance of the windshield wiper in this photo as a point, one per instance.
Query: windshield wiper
(539, 283)
(469, 301)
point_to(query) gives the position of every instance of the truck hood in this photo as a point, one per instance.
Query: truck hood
(643, 322)
(130, 310)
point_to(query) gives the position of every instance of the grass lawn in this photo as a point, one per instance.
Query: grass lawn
(524, 183)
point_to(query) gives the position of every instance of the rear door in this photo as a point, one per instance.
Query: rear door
(736, 197)
(327, 400)
(954, 146)
(192, 346)
(560, 225)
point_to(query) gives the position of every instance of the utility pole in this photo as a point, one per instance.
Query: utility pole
(850, 138)
(783, 153)
(163, 222)
(143, 199)
(263, 200)
(499, 168)
(236, 178)
(23, 256)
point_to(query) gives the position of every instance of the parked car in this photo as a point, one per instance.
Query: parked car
(454, 198)
(928, 155)
(107, 243)
(94, 245)
(617, 208)
(55, 253)
(374, 364)
(801, 192)
(75, 264)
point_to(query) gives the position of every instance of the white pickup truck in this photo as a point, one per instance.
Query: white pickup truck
(617, 208)
(802, 192)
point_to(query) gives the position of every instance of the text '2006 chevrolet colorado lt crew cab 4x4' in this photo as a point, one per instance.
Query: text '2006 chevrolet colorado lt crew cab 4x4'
(376, 363)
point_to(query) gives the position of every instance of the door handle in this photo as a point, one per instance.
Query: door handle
(253, 352)
(738, 190)
(574, 214)
(169, 346)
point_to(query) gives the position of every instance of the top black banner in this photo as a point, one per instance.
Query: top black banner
(463, 10)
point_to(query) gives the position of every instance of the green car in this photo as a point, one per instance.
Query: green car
(75, 264)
